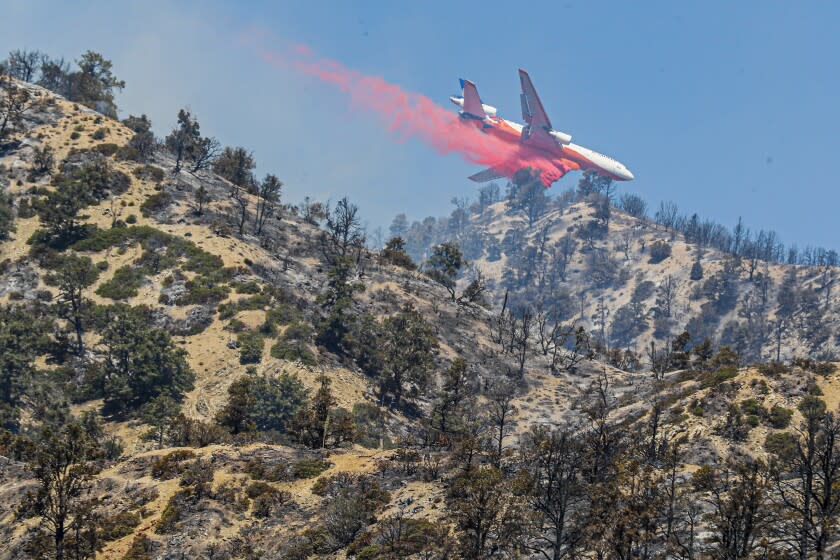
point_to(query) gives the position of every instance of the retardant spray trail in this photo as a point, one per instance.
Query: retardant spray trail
(409, 114)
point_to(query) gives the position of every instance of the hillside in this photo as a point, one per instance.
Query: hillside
(632, 281)
(225, 388)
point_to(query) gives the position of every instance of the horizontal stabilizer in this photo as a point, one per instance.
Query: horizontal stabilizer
(489, 174)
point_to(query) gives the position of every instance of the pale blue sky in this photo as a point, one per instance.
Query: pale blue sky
(727, 108)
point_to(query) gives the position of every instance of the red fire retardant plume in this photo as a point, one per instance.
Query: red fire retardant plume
(412, 115)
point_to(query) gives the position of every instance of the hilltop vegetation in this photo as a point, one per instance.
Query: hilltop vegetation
(594, 259)
(192, 365)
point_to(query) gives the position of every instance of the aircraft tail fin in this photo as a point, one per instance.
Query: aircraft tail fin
(489, 174)
(472, 102)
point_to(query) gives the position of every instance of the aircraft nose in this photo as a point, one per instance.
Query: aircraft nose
(627, 175)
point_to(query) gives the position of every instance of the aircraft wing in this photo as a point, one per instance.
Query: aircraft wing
(536, 133)
(489, 174)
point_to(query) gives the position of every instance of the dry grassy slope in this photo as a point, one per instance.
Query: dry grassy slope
(546, 399)
(697, 414)
(215, 364)
(224, 527)
(497, 219)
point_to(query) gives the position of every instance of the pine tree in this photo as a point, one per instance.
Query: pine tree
(140, 362)
(696, 270)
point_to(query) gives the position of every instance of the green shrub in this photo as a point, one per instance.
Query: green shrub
(820, 368)
(118, 526)
(293, 345)
(309, 468)
(125, 283)
(99, 134)
(250, 347)
(251, 287)
(715, 378)
(131, 219)
(170, 516)
(169, 465)
(155, 203)
(752, 406)
(779, 417)
(659, 251)
(266, 503)
(75, 135)
(202, 291)
(772, 369)
(258, 488)
(209, 286)
(258, 469)
(228, 310)
(292, 351)
(150, 173)
(782, 444)
(280, 314)
(106, 150)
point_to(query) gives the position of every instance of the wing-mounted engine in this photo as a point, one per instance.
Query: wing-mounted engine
(458, 100)
(561, 137)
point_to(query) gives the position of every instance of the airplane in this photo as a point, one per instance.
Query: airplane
(536, 140)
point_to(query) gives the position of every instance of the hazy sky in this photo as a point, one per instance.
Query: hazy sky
(726, 108)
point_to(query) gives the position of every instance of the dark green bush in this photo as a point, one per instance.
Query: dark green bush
(779, 417)
(772, 369)
(150, 173)
(309, 468)
(228, 310)
(266, 503)
(106, 150)
(752, 406)
(118, 526)
(782, 444)
(659, 251)
(258, 488)
(125, 283)
(251, 287)
(275, 472)
(715, 378)
(169, 465)
(155, 203)
(814, 366)
(250, 347)
(292, 351)
(202, 290)
(129, 153)
(170, 516)
(280, 314)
